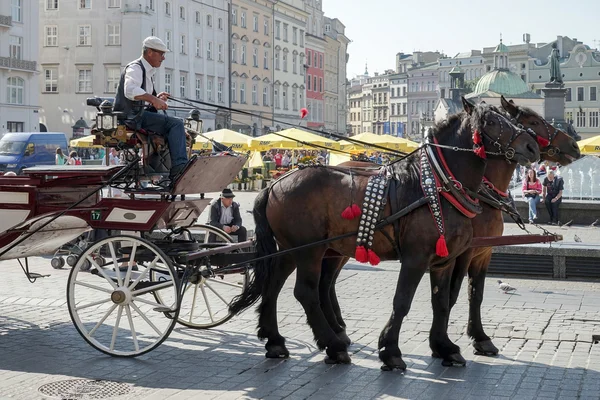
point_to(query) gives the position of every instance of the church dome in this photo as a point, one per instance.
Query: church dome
(501, 82)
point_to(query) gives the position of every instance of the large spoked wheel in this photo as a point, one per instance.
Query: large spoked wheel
(205, 302)
(113, 306)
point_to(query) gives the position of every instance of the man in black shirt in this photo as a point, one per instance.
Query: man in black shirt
(552, 190)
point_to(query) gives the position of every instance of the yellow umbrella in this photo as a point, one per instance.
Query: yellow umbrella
(237, 141)
(202, 144)
(590, 145)
(272, 141)
(86, 141)
(305, 136)
(387, 141)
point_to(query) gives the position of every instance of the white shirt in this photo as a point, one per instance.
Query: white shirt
(133, 80)
(226, 215)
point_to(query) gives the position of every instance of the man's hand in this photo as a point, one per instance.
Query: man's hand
(227, 229)
(553, 200)
(542, 199)
(163, 96)
(159, 104)
(234, 228)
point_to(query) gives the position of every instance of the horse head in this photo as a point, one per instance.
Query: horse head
(555, 145)
(500, 138)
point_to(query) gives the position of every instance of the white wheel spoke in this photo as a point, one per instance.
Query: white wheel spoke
(116, 328)
(91, 333)
(217, 294)
(133, 334)
(146, 319)
(151, 303)
(130, 263)
(101, 271)
(152, 288)
(96, 303)
(89, 285)
(113, 254)
(223, 282)
(194, 301)
(207, 305)
(143, 274)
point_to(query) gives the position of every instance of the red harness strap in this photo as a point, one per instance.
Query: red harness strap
(494, 188)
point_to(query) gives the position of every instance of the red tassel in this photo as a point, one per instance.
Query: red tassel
(480, 151)
(440, 247)
(347, 213)
(543, 142)
(361, 254)
(355, 210)
(477, 137)
(303, 112)
(373, 258)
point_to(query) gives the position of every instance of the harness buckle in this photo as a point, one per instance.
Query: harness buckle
(509, 153)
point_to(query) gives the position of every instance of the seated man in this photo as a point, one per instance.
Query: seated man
(225, 214)
(136, 89)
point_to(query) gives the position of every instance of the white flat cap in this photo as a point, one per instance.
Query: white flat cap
(152, 42)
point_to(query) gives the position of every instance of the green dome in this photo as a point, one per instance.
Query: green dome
(501, 48)
(502, 82)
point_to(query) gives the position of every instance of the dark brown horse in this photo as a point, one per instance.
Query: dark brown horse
(304, 207)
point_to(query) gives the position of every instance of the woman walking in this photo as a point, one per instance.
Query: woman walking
(60, 158)
(532, 188)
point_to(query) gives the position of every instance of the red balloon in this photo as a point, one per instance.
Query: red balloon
(303, 112)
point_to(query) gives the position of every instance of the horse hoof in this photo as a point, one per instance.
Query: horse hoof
(277, 352)
(344, 338)
(435, 354)
(485, 348)
(341, 357)
(454, 360)
(394, 363)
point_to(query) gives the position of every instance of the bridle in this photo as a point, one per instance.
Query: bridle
(549, 149)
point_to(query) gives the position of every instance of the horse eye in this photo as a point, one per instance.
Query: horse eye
(534, 123)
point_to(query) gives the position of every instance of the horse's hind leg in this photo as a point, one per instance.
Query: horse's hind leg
(267, 320)
(439, 341)
(331, 268)
(307, 293)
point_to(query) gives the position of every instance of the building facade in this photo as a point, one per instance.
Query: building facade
(471, 63)
(380, 89)
(355, 98)
(398, 104)
(85, 59)
(422, 97)
(19, 52)
(336, 59)
(315, 66)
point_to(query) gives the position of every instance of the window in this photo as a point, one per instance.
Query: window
(243, 19)
(13, 126)
(199, 48)
(209, 20)
(285, 98)
(320, 61)
(301, 38)
(242, 93)
(308, 53)
(592, 93)
(233, 91)
(266, 27)
(581, 119)
(168, 39)
(255, 57)
(294, 64)
(277, 60)
(168, 78)
(580, 96)
(220, 24)
(151, 4)
(220, 91)
(85, 35)
(113, 76)
(285, 32)
(294, 100)
(16, 10)
(314, 83)
(84, 80)
(568, 95)
(182, 13)
(265, 96)
(233, 53)
(276, 98)
(15, 48)
(266, 59)
(285, 62)
(295, 35)
(153, 31)
(182, 85)
(167, 8)
(85, 3)
(182, 43)
(301, 65)
(209, 50)
(198, 87)
(255, 94)
(234, 16)
(51, 80)
(51, 35)
(320, 85)
(113, 33)
(308, 82)
(220, 53)
(255, 23)
(243, 54)
(569, 116)
(198, 17)
(594, 119)
(117, 4)
(277, 30)
(51, 4)
(209, 89)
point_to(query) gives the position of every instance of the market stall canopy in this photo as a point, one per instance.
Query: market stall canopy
(86, 141)
(292, 140)
(202, 144)
(387, 141)
(590, 146)
(237, 141)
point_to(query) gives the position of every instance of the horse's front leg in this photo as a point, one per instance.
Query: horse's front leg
(482, 344)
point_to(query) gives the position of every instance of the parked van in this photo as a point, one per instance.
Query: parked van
(21, 150)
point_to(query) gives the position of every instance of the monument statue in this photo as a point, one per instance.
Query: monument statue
(555, 74)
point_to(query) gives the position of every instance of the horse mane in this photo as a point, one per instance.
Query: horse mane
(527, 112)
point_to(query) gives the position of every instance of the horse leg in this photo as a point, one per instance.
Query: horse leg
(482, 343)
(408, 281)
(267, 320)
(306, 292)
(331, 268)
(439, 342)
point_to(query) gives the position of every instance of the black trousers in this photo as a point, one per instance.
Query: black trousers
(552, 208)
(242, 234)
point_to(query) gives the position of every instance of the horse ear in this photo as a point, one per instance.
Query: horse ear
(467, 105)
(509, 106)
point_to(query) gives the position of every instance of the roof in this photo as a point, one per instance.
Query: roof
(503, 82)
(452, 106)
(431, 65)
(501, 48)
(490, 95)
(456, 70)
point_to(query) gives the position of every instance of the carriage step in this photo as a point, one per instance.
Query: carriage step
(163, 309)
(35, 275)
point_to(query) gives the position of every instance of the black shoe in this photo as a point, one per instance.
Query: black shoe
(176, 171)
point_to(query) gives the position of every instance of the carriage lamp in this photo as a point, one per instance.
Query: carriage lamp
(106, 121)
(193, 121)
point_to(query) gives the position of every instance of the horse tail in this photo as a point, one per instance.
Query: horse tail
(265, 245)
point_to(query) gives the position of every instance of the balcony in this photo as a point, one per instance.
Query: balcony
(5, 21)
(14, 63)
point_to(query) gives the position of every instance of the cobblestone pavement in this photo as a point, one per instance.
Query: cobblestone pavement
(544, 331)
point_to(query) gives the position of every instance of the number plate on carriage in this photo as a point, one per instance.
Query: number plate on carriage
(96, 215)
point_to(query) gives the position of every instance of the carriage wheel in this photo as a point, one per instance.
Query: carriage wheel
(205, 302)
(113, 307)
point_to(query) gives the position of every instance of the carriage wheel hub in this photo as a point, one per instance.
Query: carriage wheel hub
(121, 296)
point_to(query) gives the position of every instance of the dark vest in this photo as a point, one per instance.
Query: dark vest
(122, 103)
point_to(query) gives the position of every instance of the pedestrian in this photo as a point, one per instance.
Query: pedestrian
(60, 158)
(225, 214)
(532, 189)
(552, 195)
